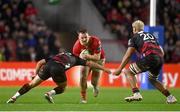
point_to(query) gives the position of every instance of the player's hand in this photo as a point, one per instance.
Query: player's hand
(85, 56)
(33, 76)
(116, 72)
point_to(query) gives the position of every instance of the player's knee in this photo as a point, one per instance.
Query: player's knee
(94, 82)
(152, 79)
(84, 71)
(128, 73)
(83, 78)
(31, 84)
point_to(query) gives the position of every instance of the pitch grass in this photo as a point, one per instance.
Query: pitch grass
(110, 99)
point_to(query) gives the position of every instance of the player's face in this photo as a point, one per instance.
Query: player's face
(83, 38)
(134, 30)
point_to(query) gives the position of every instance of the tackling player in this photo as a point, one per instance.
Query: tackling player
(93, 45)
(146, 44)
(54, 67)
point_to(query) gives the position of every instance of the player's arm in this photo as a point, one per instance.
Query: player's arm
(94, 57)
(97, 66)
(83, 62)
(125, 60)
(39, 65)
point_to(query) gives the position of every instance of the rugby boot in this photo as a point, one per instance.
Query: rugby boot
(11, 100)
(95, 92)
(49, 98)
(171, 99)
(134, 97)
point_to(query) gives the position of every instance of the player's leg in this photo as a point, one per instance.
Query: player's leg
(140, 66)
(153, 74)
(133, 83)
(95, 80)
(96, 73)
(83, 83)
(25, 88)
(57, 90)
(58, 75)
(40, 77)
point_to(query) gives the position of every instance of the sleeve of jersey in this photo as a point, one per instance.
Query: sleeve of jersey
(98, 47)
(47, 59)
(131, 43)
(80, 61)
(76, 49)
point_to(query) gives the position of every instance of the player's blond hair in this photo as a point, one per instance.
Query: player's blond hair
(138, 25)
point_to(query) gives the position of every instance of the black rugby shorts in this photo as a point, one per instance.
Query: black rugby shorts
(54, 70)
(151, 63)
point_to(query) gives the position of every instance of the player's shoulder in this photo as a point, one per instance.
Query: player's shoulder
(133, 39)
(137, 35)
(95, 40)
(77, 47)
(77, 43)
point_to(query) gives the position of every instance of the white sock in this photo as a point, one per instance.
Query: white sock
(52, 92)
(16, 95)
(137, 93)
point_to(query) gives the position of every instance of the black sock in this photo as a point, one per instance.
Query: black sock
(24, 89)
(166, 93)
(59, 90)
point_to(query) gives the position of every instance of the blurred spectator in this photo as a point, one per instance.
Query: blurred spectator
(176, 53)
(23, 36)
(32, 53)
(119, 15)
(30, 12)
(114, 19)
(31, 40)
(2, 26)
(22, 52)
(103, 6)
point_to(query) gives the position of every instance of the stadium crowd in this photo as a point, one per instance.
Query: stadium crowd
(119, 14)
(23, 35)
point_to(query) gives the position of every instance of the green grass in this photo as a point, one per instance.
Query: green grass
(110, 99)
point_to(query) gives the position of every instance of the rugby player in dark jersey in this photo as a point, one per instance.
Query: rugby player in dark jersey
(146, 44)
(54, 67)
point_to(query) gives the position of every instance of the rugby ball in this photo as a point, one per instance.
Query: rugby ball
(85, 51)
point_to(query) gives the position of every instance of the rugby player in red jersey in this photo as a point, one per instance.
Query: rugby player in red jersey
(96, 54)
(54, 67)
(147, 45)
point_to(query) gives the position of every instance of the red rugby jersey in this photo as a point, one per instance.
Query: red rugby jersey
(94, 47)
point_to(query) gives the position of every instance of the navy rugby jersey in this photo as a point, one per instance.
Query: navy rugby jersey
(145, 43)
(67, 59)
